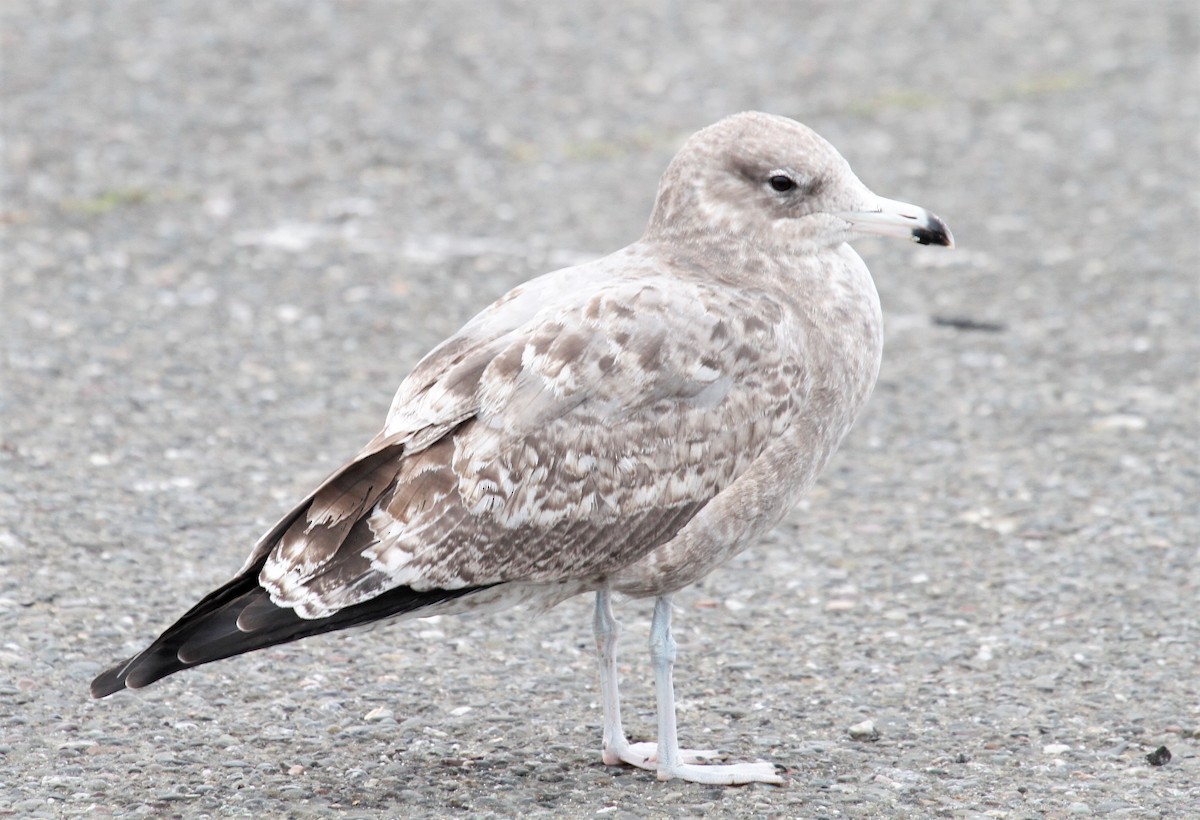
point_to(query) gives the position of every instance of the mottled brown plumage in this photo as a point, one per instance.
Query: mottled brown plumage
(627, 424)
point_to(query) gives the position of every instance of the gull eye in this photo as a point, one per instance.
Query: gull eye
(781, 183)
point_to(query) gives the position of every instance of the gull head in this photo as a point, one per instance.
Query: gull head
(774, 182)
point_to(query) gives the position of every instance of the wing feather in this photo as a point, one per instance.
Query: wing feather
(564, 448)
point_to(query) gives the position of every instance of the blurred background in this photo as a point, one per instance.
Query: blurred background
(228, 230)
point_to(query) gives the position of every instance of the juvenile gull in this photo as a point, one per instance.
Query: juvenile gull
(621, 426)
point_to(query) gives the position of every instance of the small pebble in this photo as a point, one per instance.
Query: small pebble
(865, 731)
(1159, 757)
(378, 714)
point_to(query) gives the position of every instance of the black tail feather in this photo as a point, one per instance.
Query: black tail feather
(209, 631)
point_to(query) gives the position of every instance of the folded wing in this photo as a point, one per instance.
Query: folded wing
(557, 450)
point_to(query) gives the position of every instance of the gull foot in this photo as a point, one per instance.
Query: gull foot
(736, 774)
(645, 756)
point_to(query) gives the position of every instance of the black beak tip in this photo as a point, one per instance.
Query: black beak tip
(935, 233)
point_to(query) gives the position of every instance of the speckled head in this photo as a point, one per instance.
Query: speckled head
(772, 180)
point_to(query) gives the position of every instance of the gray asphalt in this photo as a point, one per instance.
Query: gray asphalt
(229, 230)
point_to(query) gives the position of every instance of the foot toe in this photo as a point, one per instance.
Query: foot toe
(736, 774)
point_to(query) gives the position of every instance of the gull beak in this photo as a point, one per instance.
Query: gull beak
(900, 219)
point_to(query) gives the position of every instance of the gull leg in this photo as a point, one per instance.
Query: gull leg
(617, 749)
(670, 760)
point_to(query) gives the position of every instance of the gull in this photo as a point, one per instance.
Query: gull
(622, 426)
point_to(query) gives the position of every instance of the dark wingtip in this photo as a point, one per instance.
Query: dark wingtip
(209, 632)
(109, 682)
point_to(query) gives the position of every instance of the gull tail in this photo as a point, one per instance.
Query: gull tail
(240, 617)
(210, 631)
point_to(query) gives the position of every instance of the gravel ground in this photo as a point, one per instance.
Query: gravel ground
(229, 229)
